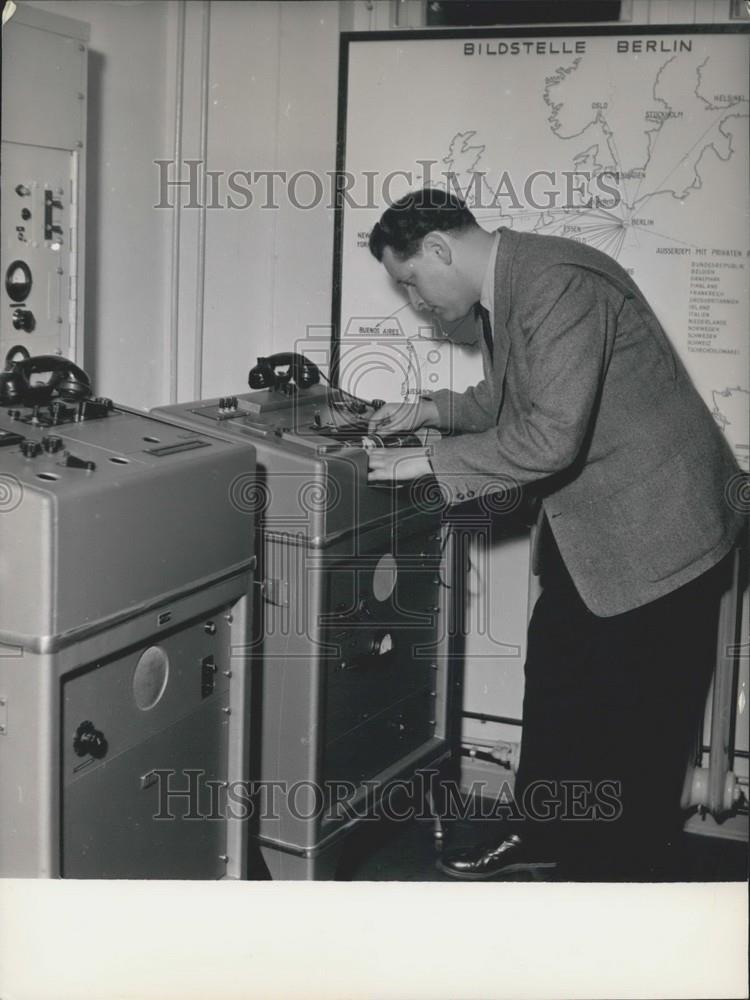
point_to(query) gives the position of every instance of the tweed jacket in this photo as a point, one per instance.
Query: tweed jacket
(586, 398)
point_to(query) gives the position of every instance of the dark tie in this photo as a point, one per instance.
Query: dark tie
(484, 315)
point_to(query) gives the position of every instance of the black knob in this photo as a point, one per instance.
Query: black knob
(22, 191)
(25, 214)
(89, 740)
(29, 448)
(52, 443)
(23, 319)
(73, 462)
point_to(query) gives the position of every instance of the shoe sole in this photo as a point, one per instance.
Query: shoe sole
(519, 866)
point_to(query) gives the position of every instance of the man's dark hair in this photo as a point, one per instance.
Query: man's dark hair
(405, 224)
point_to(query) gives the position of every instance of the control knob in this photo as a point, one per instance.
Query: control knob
(90, 740)
(23, 319)
(30, 448)
(73, 462)
(52, 443)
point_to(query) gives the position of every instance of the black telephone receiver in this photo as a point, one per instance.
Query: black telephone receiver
(67, 381)
(266, 374)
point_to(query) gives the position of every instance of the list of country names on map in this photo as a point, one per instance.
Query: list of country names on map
(716, 293)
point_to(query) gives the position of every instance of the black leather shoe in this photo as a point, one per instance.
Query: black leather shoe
(486, 862)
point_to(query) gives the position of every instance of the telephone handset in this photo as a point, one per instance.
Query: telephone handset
(266, 374)
(304, 374)
(67, 381)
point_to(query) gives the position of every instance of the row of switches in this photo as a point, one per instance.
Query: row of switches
(50, 445)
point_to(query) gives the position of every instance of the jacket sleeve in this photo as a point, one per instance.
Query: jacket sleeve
(474, 409)
(471, 410)
(567, 322)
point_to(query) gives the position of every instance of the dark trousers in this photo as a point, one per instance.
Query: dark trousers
(611, 709)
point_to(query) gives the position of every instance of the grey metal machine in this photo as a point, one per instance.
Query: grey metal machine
(42, 218)
(125, 562)
(351, 652)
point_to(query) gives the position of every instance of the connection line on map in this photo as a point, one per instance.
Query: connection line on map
(393, 314)
(685, 156)
(663, 236)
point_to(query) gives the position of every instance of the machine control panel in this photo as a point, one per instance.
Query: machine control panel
(42, 210)
(321, 418)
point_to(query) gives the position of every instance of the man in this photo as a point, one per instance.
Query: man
(585, 401)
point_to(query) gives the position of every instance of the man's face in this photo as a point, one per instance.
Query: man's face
(432, 282)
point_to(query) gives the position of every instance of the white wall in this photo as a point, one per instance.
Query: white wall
(273, 98)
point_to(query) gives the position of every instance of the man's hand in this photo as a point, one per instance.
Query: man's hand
(389, 465)
(396, 418)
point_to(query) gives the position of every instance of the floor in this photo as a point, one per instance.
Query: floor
(405, 852)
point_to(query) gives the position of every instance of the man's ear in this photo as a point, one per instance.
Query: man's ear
(435, 243)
